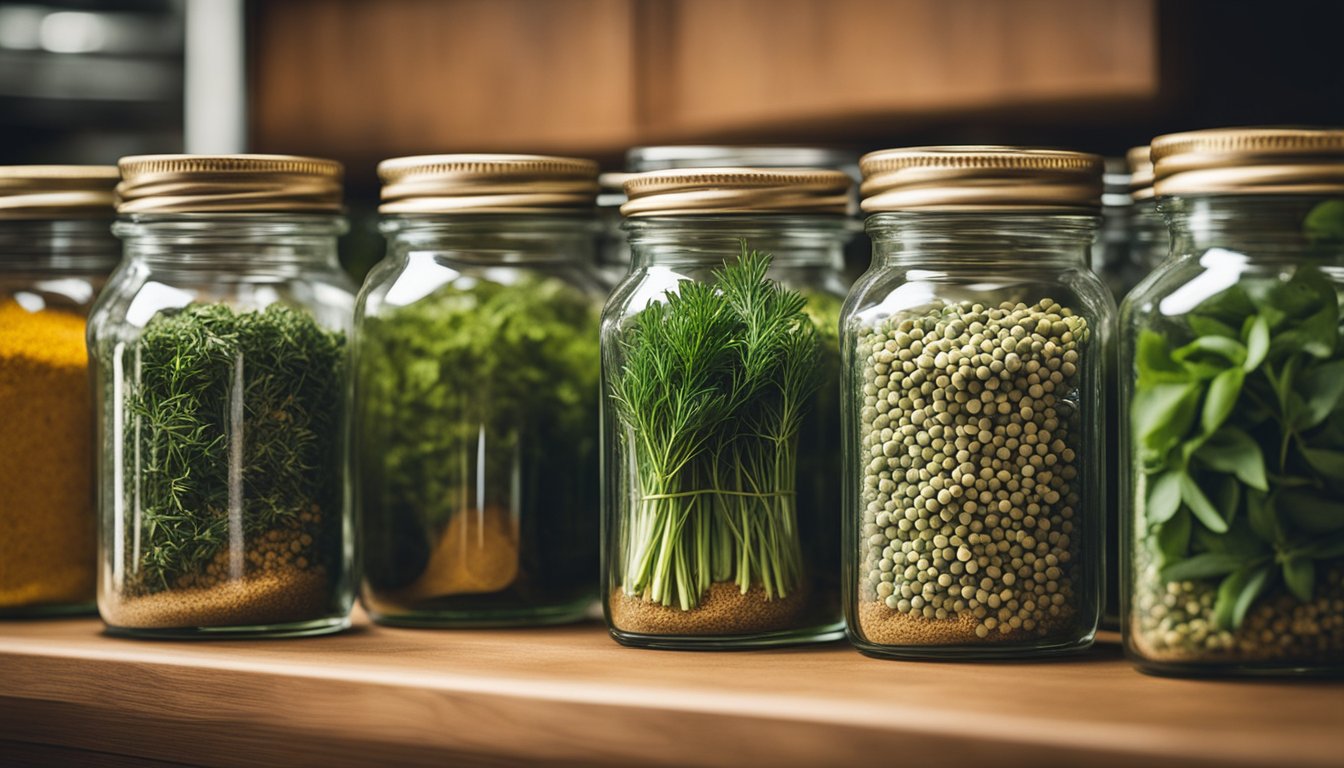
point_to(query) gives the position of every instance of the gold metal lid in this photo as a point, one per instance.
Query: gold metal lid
(229, 184)
(487, 184)
(1140, 162)
(57, 191)
(1250, 161)
(698, 191)
(981, 178)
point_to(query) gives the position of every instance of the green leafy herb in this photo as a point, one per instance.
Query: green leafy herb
(1261, 370)
(480, 398)
(710, 395)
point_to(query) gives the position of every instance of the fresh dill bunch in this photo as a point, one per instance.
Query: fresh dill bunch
(712, 391)
(190, 374)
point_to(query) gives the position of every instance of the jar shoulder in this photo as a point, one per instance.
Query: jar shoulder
(883, 292)
(135, 294)
(397, 282)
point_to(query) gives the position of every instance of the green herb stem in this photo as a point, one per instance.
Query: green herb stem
(711, 396)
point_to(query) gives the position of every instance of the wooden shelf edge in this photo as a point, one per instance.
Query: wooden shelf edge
(570, 695)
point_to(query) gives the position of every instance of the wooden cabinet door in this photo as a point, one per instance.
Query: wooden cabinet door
(362, 79)
(724, 66)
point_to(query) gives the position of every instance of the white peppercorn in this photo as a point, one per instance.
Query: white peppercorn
(986, 418)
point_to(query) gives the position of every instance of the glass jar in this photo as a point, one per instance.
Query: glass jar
(1234, 431)
(1145, 245)
(1149, 242)
(613, 252)
(720, 414)
(476, 394)
(973, 367)
(56, 249)
(219, 356)
(1111, 256)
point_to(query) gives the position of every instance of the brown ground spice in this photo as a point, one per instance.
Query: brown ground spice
(282, 582)
(277, 597)
(883, 626)
(724, 610)
(477, 553)
(47, 520)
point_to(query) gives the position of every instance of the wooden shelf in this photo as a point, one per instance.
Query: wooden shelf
(571, 696)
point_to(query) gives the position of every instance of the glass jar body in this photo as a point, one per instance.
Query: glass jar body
(1113, 257)
(750, 512)
(1149, 240)
(219, 358)
(476, 421)
(1146, 245)
(1234, 515)
(50, 273)
(974, 355)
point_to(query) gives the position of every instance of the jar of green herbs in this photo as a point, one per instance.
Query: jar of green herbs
(974, 354)
(1233, 463)
(720, 410)
(219, 358)
(476, 435)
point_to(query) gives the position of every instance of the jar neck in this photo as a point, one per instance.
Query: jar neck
(1261, 226)
(792, 240)
(490, 239)
(950, 241)
(234, 241)
(59, 245)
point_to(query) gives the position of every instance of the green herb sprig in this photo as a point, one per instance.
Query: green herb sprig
(184, 375)
(1240, 434)
(711, 394)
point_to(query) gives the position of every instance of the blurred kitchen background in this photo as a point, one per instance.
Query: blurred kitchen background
(362, 80)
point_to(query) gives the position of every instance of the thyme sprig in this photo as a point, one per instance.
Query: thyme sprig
(190, 457)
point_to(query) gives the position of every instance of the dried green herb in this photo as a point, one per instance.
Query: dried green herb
(482, 394)
(202, 379)
(1240, 433)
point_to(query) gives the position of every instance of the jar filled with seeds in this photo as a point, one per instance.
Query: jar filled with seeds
(476, 440)
(720, 368)
(1233, 425)
(56, 250)
(973, 375)
(219, 357)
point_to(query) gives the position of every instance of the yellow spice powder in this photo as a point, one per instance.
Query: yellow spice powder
(47, 518)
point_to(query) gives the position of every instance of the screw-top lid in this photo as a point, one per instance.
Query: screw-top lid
(981, 178)
(57, 191)
(1140, 162)
(488, 184)
(662, 158)
(736, 190)
(229, 184)
(1250, 161)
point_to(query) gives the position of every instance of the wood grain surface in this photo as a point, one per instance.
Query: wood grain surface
(360, 80)
(570, 696)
